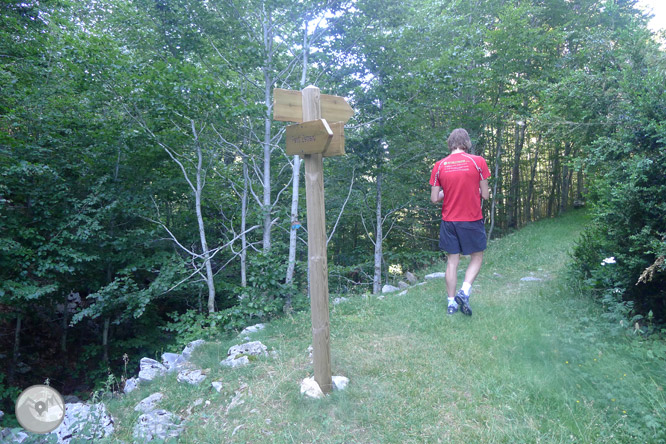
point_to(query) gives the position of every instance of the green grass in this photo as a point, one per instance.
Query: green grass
(534, 364)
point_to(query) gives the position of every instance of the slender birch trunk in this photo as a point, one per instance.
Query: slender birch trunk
(498, 159)
(377, 279)
(268, 84)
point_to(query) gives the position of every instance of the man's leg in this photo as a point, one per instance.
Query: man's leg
(474, 267)
(452, 262)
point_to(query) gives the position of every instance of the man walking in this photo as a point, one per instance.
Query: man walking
(460, 180)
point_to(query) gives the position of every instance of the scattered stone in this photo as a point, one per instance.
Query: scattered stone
(402, 293)
(403, 285)
(189, 348)
(380, 297)
(150, 369)
(438, 275)
(217, 385)
(310, 388)
(149, 404)
(339, 300)
(172, 361)
(340, 382)
(235, 362)
(389, 289)
(84, 422)
(157, 425)
(193, 377)
(420, 283)
(252, 329)
(411, 278)
(497, 275)
(254, 348)
(131, 384)
(530, 279)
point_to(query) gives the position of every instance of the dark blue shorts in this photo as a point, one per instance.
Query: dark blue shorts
(462, 237)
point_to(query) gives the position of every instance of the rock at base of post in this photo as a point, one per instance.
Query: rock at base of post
(311, 389)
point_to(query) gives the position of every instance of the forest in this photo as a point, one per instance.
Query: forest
(146, 197)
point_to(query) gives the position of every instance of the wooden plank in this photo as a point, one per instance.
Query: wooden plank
(335, 109)
(337, 145)
(287, 105)
(317, 258)
(308, 137)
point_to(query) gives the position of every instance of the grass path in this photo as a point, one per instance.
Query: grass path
(534, 364)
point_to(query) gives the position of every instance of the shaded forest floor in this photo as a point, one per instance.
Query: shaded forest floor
(537, 362)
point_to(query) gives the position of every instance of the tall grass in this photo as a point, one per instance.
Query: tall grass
(535, 363)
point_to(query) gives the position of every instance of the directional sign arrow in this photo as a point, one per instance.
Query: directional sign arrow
(309, 137)
(288, 107)
(337, 145)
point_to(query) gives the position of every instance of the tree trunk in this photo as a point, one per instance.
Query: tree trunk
(566, 180)
(552, 198)
(15, 351)
(514, 193)
(202, 232)
(377, 279)
(498, 159)
(296, 173)
(64, 325)
(243, 254)
(530, 187)
(268, 102)
(105, 340)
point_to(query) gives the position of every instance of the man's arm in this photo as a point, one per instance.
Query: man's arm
(485, 191)
(436, 194)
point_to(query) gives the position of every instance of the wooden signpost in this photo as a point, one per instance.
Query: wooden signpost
(319, 133)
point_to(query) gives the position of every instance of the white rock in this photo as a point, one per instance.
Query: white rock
(530, 279)
(403, 285)
(157, 424)
(438, 275)
(254, 348)
(339, 300)
(84, 422)
(310, 388)
(252, 329)
(172, 361)
(150, 369)
(402, 293)
(380, 297)
(340, 382)
(389, 289)
(233, 362)
(131, 384)
(217, 385)
(189, 348)
(193, 377)
(149, 404)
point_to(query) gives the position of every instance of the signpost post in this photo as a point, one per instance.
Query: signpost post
(315, 138)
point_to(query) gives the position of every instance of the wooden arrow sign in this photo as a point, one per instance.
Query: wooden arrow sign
(288, 107)
(337, 145)
(311, 137)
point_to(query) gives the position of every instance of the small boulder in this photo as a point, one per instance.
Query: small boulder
(189, 348)
(149, 404)
(403, 285)
(411, 278)
(389, 289)
(150, 369)
(402, 293)
(438, 275)
(252, 329)
(157, 425)
(172, 361)
(217, 385)
(340, 382)
(131, 384)
(84, 422)
(310, 388)
(234, 362)
(193, 377)
(531, 279)
(254, 348)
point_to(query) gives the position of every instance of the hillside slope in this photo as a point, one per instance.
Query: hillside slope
(536, 363)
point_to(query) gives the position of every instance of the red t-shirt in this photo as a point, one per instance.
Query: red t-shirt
(459, 176)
